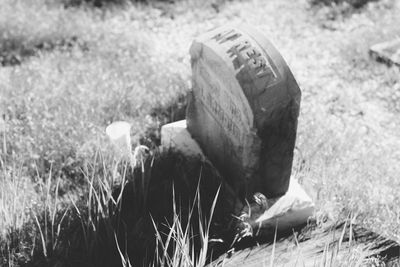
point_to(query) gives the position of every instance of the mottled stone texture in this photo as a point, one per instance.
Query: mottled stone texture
(243, 109)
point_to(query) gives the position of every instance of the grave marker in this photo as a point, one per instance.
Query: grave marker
(243, 109)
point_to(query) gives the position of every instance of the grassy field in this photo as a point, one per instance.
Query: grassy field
(68, 72)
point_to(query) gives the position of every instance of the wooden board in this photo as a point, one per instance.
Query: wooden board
(342, 245)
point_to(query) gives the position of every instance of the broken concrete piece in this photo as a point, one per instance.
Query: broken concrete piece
(282, 214)
(388, 52)
(243, 109)
(291, 210)
(175, 136)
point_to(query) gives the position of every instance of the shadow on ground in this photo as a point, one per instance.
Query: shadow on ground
(15, 51)
(167, 189)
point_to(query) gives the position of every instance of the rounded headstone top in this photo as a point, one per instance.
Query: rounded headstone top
(243, 108)
(254, 61)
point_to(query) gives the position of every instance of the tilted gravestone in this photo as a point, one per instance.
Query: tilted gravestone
(243, 109)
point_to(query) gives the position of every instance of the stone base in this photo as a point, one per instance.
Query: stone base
(175, 136)
(291, 210)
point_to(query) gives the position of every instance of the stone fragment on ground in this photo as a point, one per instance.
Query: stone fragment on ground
(285, 213)
(243, 109)
(387, 52)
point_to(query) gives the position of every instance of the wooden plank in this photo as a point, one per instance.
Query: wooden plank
(341, 245)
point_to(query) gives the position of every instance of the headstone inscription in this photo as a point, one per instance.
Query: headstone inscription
(243, 109)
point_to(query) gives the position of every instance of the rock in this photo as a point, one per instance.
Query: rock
(243, 109)
(388, 52)
(175, 136)
(291, 210)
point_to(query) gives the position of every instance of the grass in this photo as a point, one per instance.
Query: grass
(69, 72)
(116, 222)
(112, 225)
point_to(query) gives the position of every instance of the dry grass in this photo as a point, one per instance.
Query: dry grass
(132, 64)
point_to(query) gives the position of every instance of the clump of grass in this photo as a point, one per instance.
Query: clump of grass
(123, 221)
(178, 248)
(17, 199)
(110, 71)
(85, 93)
(29, 28)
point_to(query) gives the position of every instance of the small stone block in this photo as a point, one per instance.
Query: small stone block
(175, 136)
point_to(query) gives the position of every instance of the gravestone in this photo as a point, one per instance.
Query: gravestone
(243, 109)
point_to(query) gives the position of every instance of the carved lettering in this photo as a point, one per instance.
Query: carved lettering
(227, 115)
(243, 52)
(234, 50)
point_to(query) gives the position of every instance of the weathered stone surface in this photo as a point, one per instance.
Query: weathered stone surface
(388, 52)
(175, 136)
(291, 210)
(243, 109)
